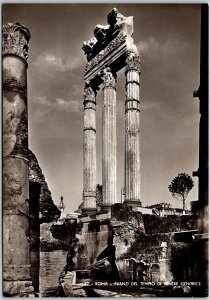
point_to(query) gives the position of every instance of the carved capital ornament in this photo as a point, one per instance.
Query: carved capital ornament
(108, 78)
(132, 61)
(89, 93)
(15, 40)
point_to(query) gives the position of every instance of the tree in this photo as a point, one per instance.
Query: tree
(180, 187)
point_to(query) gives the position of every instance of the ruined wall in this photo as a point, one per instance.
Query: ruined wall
(155, 224)
(48, 211)
(150, 258)
(139, 256)
(48, 242)
(41, 209)
(126, 225)
(123, 227)
(62, 235)
(94, 235)
(157, 257)
(146, 246)
(185, 261)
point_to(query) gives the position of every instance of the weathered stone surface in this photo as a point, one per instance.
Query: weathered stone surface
(104, 34)
(136, 251)
(95, 242)
(105, 293)
(16, 264)
(110, 44)
(71, 277)
(52, 239)
(79, 292)
(17, 287)
(67, 283)
(185, 261)
(15, 129)
(15, 40)
(117, 47)
(126, 226)
(109, 142)
(66, 231)
(15, 191)
(48, 211)
(67, 289)
(155, 224)
(132, 130)
(99, 197)
(12, 85)
(41, 209)
(92, 235)
(110, 50)
(89, 151)
(133, 63)
(123, 214)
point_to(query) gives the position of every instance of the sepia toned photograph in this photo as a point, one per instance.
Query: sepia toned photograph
(105, 150)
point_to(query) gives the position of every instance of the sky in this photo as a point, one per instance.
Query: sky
(168, 39)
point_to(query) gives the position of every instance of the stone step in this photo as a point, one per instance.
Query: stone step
(83, 274)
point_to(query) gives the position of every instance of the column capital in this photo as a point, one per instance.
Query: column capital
(89, 97)
(89, 93)
(132, 61)
(15, 40)
(108, 78)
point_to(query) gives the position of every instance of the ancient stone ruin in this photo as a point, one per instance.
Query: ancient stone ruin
(145, 247)
(109, 51)
(107, 241)
(27, 201)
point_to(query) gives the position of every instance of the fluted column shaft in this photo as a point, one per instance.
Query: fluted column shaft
(132, 131)
(89, 151)
(16, 256)
(109, 164)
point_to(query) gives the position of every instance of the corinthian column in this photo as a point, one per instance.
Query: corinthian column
(109, 140)
(89, 151)
(132, 127)
(16, 259)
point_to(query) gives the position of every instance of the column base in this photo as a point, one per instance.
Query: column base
(106, 208)
(88, 211)
(133, 202)
(17, 287)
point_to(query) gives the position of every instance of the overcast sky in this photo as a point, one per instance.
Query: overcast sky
(167, 37)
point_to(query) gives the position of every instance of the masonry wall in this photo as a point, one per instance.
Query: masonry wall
(145, 244)
(155, 224)
(146, 247)
(93, 238)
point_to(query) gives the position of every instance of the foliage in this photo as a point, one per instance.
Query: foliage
(180, 187)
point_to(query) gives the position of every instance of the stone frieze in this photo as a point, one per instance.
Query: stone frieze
(120, 38)
(103, 33)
